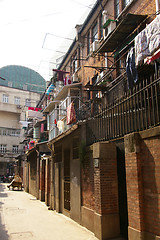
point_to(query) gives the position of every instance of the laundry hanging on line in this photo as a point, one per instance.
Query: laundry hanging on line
(71, 114)
(132, 74)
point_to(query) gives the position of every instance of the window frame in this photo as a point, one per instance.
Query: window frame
(75, 62)
(15, 149)
(28, 102)
(117, 8)
(5, 98)
(88, 43)
(17, 100)
(3, 148)
(126, 3)
(101, 23)
(95, 32)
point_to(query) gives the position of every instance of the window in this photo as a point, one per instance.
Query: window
(28, 102)
(5, 98)
(10, 132)
(117, 8)
(17, 100)
(101, 25)
(126, 2)
(15, 149)
(88, 43)
(75, 63)
(15, 133)
(3, 148)
(4, 132)
(94, 33)
(24, 87)
(9, 84)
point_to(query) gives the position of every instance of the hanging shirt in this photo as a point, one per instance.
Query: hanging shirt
(60, 125)
(132, 75)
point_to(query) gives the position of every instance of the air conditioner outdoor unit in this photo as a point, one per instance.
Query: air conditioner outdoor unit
(75, 78)
(107, 31)
(94, 46)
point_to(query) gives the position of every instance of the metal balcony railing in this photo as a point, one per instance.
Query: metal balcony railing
(138, 109)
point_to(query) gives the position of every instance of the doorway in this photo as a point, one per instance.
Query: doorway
(122, 191)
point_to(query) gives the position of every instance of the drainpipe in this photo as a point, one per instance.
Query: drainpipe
(157, 5)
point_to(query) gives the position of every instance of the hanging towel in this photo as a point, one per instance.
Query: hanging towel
(71, 114)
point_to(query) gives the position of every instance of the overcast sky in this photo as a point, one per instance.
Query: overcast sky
(30, 30)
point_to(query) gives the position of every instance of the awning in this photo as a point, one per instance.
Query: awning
(121, 32)
(50, 106)
(64, 92)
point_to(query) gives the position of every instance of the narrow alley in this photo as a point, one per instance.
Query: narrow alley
(23, 217)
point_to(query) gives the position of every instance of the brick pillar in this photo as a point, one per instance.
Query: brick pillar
(134, 186)
(106, 190)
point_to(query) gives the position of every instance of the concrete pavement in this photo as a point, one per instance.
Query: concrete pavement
(23, 217)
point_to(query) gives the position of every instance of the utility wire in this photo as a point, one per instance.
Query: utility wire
(87, 6)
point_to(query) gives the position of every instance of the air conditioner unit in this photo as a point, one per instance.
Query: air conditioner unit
(107, 31)
(75, 78)
(94, 46)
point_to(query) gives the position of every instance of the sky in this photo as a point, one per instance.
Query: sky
(32, 32)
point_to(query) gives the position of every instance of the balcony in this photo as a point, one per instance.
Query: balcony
(120, 34)
(8, 107)
(135, 110)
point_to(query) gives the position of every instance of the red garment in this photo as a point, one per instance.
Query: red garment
(60, 74)
(71, 114)
(34, 109)
(42, 127)
(67, 80)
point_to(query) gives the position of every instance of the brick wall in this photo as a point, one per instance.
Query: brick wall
(105, 177)
(88, 199)
(144, 7)
(142, 154)
(134, 191)
(150, 157)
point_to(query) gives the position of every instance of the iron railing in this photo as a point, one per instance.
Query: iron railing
(137, 110)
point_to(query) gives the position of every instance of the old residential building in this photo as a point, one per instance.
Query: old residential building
(19, 91)
(102, 111)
